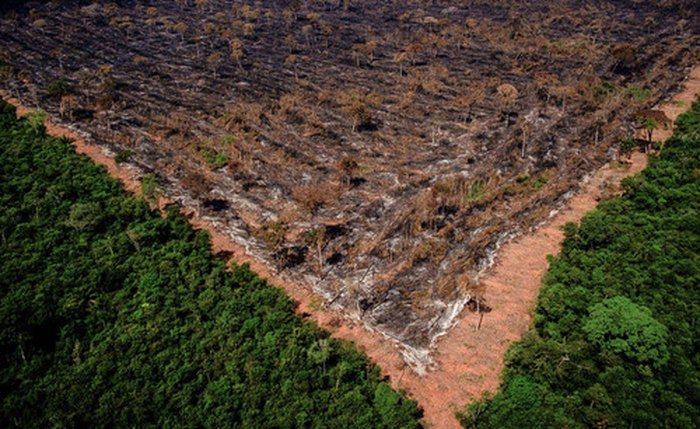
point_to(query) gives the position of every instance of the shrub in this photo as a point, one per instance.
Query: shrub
(58, 89)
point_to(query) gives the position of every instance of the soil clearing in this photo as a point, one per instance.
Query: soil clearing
(376, 152)
(469, 358)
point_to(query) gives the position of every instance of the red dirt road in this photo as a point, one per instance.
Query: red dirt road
(469, 361)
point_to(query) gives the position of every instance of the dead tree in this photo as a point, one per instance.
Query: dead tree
(236, 51)
(507, 94)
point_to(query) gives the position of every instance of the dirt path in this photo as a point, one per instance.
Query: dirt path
(469, 361)
(130, 178)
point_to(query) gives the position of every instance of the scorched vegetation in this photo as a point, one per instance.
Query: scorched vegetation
(615, 342)
(376, 151)
(114, 316)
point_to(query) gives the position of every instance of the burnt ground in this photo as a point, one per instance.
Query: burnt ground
(377, 151)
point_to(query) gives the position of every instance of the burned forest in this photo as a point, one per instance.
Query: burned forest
(378, 152)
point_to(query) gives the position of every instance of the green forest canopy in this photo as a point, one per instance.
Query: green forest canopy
(113, 316)
(616, 335)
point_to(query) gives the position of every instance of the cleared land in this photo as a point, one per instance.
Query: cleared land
(469, 358)
(302, 188)
(378, 153)
(116, 316)
(639, 255)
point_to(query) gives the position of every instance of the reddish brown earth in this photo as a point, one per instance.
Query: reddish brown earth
(376, 153)
(468, 359)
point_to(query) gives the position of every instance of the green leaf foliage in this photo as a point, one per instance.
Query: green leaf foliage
(619, 325)
(114, 316)
(616, 335)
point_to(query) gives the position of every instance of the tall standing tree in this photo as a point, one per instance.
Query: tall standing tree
(466, 102)
(237, 51)
(400, 58)
(291, 61)
(213, 60)
(621, 326)
(650, 125)
(181, 29)
(507, 95)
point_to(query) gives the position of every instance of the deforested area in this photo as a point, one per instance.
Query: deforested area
(615, 337)
(379, 152)
(113, 316)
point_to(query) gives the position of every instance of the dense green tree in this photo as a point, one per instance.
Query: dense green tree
(615, 341)
(112, 315)
(619, 325)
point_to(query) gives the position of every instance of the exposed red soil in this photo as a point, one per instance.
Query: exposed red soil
(129, 178)
(468, 359)
(680, 103)
(428, 132)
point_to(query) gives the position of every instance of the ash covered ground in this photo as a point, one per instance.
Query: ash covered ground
(377, 151)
